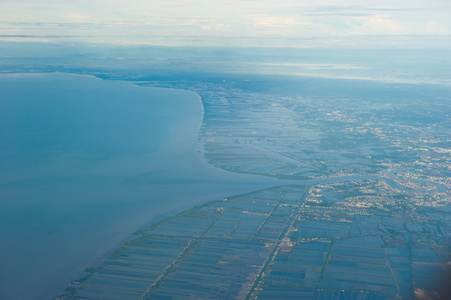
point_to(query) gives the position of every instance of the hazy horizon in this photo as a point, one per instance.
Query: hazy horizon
(304, 24)
(332, 117)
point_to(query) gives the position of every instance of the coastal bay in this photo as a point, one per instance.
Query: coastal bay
(86, 162)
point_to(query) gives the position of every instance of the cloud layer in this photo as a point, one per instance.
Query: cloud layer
(419, 23)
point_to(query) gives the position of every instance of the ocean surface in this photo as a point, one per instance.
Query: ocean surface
(85, 162)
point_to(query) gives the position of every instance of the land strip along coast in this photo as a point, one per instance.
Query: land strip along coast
(368, 217)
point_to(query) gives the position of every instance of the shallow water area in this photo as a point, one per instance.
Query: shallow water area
(85, 162)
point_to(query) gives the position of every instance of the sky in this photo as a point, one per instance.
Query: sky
(299, 23)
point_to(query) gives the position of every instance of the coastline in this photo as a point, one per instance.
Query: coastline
(112, 210)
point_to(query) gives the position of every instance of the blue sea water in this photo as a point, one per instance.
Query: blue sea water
(84, 162)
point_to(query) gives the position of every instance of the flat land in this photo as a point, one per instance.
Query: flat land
(369, 218)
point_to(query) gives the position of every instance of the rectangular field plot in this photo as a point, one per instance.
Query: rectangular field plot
(226, 224)
(359, 264)
(105, 293)
(399, 262)
(269, 196)
(216, 269)
(370, 225)
(249, 226)
(190, 223)
(282, 292)
(430, 261)
(248, 206)
(292, 195)
(300, 268)
(347, 295)
(132, 269)
(425, 274)
(318, 228)
(276, 222)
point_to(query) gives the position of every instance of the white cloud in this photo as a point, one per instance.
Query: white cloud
(386, 25)
(434, 28)
(269, 21)
(303, 23)
(316, 66)
(216, 27)
(76, 17)
(380, 25)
